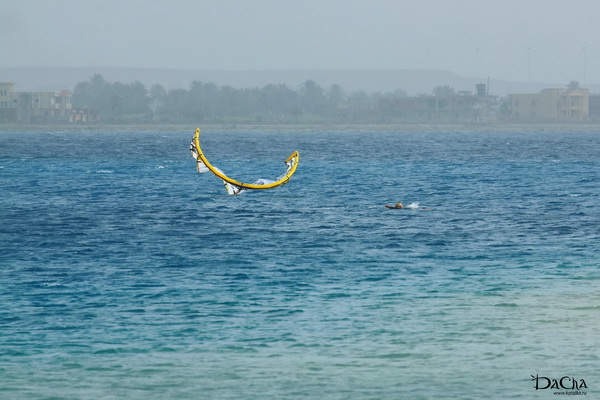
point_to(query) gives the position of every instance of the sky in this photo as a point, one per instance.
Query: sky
(517, 40)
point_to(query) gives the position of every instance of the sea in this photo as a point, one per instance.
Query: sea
(125, 274)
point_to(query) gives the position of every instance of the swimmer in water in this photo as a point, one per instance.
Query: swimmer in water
(411, 206)
(397, 205)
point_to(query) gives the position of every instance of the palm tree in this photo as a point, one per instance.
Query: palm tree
(312, 95)
(441, 91)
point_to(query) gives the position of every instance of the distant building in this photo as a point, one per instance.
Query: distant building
(43, 106)
(40, 107)
(8, 112)
(550, 105)
(463, 107)
(594, 108)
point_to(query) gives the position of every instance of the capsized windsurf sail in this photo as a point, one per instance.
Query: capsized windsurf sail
(236, 187)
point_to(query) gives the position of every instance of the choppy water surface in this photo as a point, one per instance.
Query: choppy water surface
(126, 275)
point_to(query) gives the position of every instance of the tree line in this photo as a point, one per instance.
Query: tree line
(206, 102)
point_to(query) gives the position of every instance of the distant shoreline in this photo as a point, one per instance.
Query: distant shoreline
(299, 128)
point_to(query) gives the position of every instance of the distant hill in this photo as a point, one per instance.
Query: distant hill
(412, 81)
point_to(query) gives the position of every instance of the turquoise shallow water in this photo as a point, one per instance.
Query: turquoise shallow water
(124, 274)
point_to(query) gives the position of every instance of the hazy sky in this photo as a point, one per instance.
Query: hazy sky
(522, 40)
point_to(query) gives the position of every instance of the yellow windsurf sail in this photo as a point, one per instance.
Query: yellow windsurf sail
(237, 187)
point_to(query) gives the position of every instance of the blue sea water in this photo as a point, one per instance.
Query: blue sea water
(124, 274)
